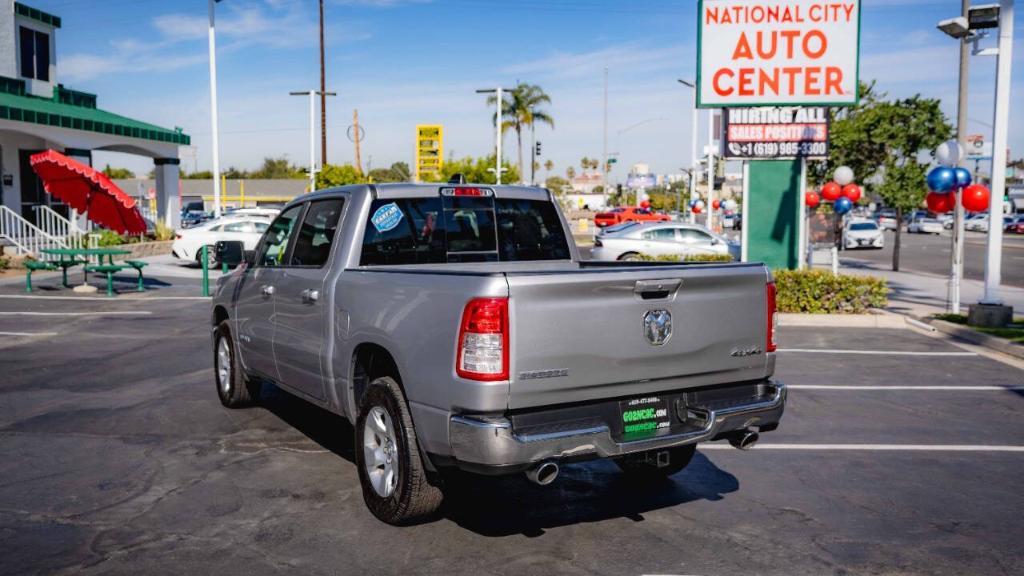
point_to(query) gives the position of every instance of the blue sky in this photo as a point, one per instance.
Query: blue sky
(403, 62)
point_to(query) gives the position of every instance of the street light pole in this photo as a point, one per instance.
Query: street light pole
(693, 144)
(1001, 120)
(604, 147)
(213, 113)
(711, 166)
(312, 135)
(497, 128)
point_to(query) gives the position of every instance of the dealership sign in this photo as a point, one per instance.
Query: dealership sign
(788, 132)
(777, 52)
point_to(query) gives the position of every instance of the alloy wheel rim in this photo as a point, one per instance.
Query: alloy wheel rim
(224, 365)
(380, 452)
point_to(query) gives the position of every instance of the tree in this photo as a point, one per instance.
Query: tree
(201, 175)
(585, 163)
(476, 170)
(118, 173)
(398, 172)
(548, 165)
(278, 169)
(332, 175)
(557, 185)
(882, 142)
(522, 109)
(570, 172)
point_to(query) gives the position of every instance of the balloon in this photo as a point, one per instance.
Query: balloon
(948, 153)
(831, 191)
(701, 204)
(730, 205)
(645, 204)
(941, 179)
(696, 209)
(812, 199)
(963, 177)
(843, 175)
(851, 191)
(940, 202)
(975, 198)
(843, 205)
(716, 204)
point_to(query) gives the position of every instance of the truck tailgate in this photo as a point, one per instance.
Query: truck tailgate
(580, 336)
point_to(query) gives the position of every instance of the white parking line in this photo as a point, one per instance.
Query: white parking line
(119, 298)
(875, 352)
(878, 387)
(877, 447)
(28, 333)
(109, 313)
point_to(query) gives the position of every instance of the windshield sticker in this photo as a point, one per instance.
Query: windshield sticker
(386, 217)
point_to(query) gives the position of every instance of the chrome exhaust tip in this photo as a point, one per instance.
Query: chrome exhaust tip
(543, 474)
(744, 440)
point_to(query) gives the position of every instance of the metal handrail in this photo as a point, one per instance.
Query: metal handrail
(27, 238)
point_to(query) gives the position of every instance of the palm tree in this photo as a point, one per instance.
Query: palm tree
(549, 165)
(570, 173)
(520, 110)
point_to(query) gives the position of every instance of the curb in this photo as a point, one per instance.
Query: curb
(875, 320)
(964, 333)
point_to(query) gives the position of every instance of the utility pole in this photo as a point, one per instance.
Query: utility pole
(312, 135)
(356, 139)
(1001, 117)
(604, 146)
(213, 113)
(694, 164)
(323, 93)
(499, 99)
(711, 166)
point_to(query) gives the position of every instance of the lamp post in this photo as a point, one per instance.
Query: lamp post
(213, 112)
(694, 166)
(498, 92)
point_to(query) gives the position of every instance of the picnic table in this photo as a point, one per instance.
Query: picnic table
(71, 257)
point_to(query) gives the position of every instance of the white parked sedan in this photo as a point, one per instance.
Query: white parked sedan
(924, 226)
(863, 233)
(247, 229)
(662, 239)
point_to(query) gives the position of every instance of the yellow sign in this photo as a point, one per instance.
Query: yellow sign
(429, 151)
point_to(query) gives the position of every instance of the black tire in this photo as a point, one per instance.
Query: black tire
(413, 497)
(630, 257)
(211, 257)
(644, 465)
(236, 390)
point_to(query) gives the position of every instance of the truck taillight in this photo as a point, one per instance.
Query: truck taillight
(483, 340)
(771, 317)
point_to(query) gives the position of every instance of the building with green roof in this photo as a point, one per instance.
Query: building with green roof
(39, 113)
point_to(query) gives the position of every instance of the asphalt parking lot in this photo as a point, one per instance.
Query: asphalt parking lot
(900, 453)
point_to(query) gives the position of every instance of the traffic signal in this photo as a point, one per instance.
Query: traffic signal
(536, 151)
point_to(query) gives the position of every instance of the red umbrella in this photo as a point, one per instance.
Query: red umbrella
(88, 191)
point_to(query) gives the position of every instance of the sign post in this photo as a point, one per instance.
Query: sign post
(775, 66)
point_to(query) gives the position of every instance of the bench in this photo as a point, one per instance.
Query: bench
(65, 264)
(34, 266)
(138, 265)
(109, 270)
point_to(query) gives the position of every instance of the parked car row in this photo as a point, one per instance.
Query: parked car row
(633, 241)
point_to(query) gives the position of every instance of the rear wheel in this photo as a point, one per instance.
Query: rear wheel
(392, 475)
(233, 388)
(657, 463)
(630, 257)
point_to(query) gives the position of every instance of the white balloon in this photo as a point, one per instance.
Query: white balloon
(730, 204)
(948, 153)
(700, 203)
(843, 175)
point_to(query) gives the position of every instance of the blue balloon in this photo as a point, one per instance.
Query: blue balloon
(963, 177)
(941, 179)
(843, 205)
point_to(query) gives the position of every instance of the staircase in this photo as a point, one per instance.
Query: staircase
(27, 239)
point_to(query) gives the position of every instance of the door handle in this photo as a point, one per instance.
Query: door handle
(310, 296)
(268, 290)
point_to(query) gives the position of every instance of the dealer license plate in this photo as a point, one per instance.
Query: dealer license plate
(643, 417)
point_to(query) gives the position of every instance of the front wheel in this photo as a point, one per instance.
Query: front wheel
(233, 388)
(630, 257)
(657, 463)
(392, 475)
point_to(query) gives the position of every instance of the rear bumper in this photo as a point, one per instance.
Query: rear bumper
(492, 445)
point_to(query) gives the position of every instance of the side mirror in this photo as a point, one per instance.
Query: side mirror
(250, 258)
(230, 252)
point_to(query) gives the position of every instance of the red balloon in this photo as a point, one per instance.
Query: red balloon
(645, 204)
(940, 202)
(851, 191)
(812, 199)
(716, 204)
(696, 209)
(831, 192)
(975, 198)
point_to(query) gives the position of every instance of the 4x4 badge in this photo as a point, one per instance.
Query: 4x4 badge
(657, 326)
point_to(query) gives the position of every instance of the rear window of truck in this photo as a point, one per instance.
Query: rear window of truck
(462, 229)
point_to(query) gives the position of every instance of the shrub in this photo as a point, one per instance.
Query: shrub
(163, 232)
(821, 292)
(111, 238)
(5, 263)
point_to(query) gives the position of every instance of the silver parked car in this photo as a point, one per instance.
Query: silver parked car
(662, 239)
(923, 225)
(456, 327)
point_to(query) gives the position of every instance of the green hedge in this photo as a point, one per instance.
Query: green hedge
(689, 258)
(821, 292)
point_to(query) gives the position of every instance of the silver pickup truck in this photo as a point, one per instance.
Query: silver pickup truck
(456, 327)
